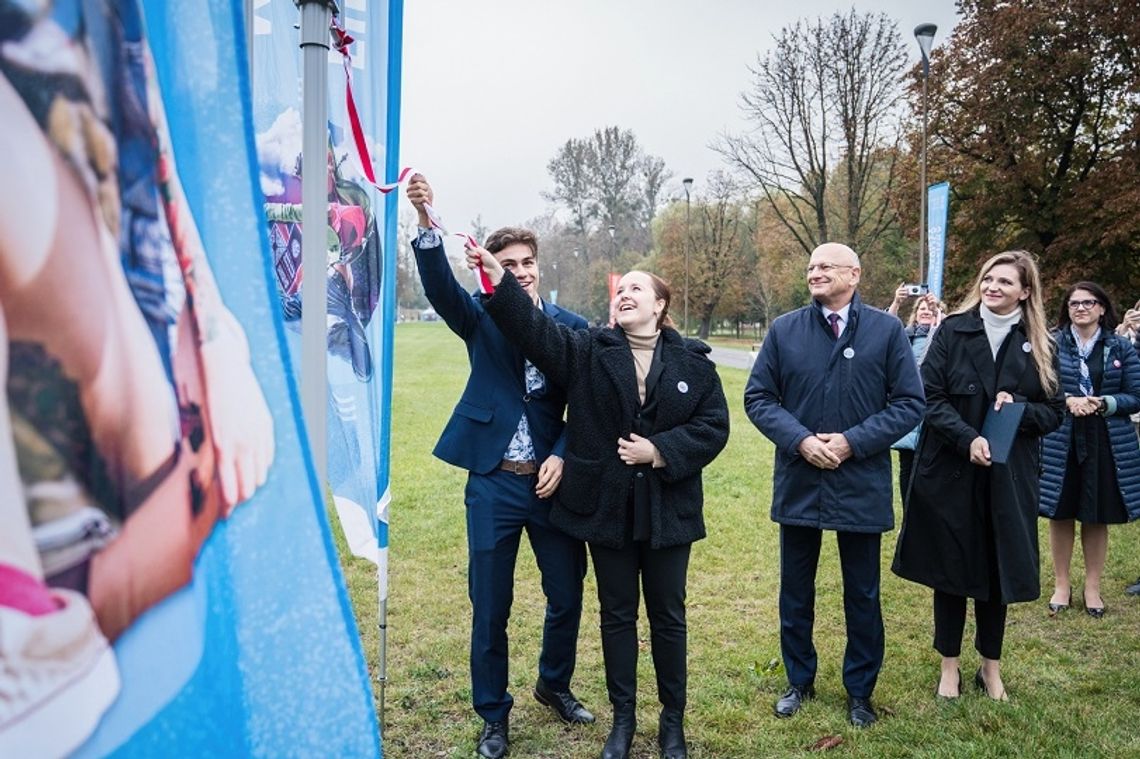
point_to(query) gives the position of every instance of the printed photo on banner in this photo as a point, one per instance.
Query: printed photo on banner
(133, 423)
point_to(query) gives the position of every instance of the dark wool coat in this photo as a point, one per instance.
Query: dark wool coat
(864, 385)
(596, 368)
(1120, 386)
(955, 507)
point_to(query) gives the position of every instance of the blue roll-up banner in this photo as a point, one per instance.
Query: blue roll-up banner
(168, 581)
(937, 208)
(359, 289)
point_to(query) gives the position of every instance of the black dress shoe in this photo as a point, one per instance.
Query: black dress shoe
(792, 700)
(493, 741)
(1055, 609)
(980, 683)
(563, 703)
(1134, 588)
(621, 734)
(860, 713)
(671, 735)
(1096, 612)
(940, 697)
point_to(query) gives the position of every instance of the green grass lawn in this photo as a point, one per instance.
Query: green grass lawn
(1074, 682)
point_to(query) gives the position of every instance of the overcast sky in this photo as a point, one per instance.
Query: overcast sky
(492, 89)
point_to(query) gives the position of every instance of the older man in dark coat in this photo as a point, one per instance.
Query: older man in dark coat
(834, 385)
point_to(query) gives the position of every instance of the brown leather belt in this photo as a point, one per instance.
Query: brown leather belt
(519, 467)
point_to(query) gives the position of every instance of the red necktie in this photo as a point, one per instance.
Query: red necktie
(834, 319)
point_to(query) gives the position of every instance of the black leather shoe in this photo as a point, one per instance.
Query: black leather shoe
(1096, 612)
(563, 703)
(940, 697)
(493, 741)
(980, 684)
(860, 713)
(1134, 588)
(793, 699)
(671, 735)
(1055, 609)
(621, 734)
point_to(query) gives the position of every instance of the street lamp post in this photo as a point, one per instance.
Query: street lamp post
(613, 245)
(924, 33)
(688, 183)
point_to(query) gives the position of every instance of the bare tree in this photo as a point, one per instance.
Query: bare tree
(607, 178)
(825, 105)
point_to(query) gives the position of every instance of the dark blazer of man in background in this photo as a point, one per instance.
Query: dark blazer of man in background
(834, 385)
(507, 432)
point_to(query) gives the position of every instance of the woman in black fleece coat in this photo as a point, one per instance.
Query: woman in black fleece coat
(646, 413)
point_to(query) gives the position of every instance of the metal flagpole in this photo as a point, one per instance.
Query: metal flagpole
(315, 18)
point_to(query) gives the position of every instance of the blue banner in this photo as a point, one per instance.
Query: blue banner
(938, 206)
(360, 288)
(168, 583)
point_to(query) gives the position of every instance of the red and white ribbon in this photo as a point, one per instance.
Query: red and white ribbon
(341, 41)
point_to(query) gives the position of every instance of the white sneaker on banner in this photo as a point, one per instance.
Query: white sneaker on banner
(57, 676)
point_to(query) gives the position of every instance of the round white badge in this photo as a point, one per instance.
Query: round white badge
(848, 352)
(683, 386)
(1027, 347)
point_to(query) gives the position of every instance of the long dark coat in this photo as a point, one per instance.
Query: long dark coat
(596, 368)
(955, 507)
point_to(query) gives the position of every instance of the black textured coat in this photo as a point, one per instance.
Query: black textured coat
(596, 368)
(954, 507)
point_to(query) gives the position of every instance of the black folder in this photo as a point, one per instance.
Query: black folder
(1000, 429)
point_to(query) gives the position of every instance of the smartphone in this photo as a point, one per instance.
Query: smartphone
(916, 290)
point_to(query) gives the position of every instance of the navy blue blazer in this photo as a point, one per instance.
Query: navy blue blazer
(488, 412)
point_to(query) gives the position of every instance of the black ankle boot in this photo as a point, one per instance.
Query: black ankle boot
(671, 734)
(621, 734)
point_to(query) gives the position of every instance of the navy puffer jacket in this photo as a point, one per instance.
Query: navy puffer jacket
(1121, 389)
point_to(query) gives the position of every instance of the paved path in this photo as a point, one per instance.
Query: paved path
(734, 357)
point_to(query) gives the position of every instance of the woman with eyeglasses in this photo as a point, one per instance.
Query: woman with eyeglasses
(1091, 462)
(970, 526)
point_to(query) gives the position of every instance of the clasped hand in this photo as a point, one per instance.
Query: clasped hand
(1080, 405)
(825, 450)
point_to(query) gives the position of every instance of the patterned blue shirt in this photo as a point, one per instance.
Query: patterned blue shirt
(521, 447)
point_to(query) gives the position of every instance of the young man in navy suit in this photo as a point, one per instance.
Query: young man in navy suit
(507, 432)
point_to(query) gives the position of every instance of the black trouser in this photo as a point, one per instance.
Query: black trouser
(950, 620)
(906, 465)
(859, 558)
(662, 572)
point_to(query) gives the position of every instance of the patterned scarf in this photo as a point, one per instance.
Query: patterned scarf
(1084, 350)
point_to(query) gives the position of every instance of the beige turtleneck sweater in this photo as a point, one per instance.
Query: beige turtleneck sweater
(642, 347)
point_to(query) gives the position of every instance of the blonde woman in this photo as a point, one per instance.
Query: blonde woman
(970, 527)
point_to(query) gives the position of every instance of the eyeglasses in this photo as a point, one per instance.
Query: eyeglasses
(827, 268)
(1077, 305)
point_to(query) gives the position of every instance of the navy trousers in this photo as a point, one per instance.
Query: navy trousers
(499, 506)
(859, 559)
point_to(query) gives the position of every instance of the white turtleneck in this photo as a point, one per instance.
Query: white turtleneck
(998, 325)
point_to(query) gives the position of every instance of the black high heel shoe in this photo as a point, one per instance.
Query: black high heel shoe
(1096, 612)
(1055, 609)
(940, 697)
(980, 682)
